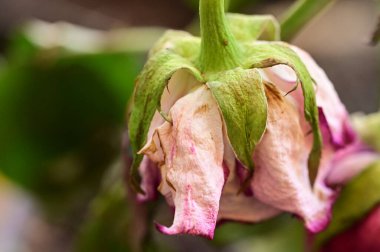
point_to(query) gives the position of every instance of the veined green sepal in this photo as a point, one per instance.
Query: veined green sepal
(248, 28)
(241, 98)
(179, 42)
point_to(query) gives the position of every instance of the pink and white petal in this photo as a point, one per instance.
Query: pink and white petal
(240, 207)
(154, 152)
(326, 96)
(281, 175)
(193, 149)
(178, 86)
(349, 162)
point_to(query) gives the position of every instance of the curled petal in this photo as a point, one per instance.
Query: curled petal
(326, 96)
(179, 85)
(281, 174)
(193, 170)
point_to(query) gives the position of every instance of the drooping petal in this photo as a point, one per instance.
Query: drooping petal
(179, 85)
(240, 207)
(193, 170)
(342, 154)
(326, 96)
(281, 174)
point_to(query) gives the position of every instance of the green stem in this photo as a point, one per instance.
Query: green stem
(219, 49)
(299, 14)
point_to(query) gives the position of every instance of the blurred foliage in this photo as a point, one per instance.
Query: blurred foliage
(299, 15)
(231, 5)
(368, 127)
(376, 34)
(283, 233)
(62, 113)
(106, 225)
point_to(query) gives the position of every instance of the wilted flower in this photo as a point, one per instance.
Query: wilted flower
(233, 126)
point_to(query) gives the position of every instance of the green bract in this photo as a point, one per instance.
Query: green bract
(241, 98)
(224, 60)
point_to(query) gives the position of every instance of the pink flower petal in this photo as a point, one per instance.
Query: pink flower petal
(193, 170)
(327, 98)
(281, 175)
(179, 85)
(349, 162)
(239, 207)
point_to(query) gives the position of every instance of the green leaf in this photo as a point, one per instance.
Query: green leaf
(264, 55)
(356, 199)
(247, 28)
(241, 98)
(149, 88)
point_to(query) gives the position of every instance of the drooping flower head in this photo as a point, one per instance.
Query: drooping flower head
(230, 127)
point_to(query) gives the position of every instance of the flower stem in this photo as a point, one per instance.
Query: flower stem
(299, 14)
(219, 49)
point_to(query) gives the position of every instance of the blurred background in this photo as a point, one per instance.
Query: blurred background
(67, 71)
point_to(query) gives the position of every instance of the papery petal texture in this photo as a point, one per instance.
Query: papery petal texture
(281, 174)
(238, 206)
(193, 155)
(326, 96)
(179, 85)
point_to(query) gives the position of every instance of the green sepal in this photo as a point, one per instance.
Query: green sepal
(179, 42)
(241, 98)
(267, 54)
(356, 199)
(247, 28)
(150, 85)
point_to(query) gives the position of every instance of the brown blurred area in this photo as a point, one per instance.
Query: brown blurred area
(338, 38)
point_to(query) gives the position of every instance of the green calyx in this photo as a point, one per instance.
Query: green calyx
(224, 59)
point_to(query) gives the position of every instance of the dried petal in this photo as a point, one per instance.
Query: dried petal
(193, 151)
(326, 96)
(240, 207)
(281, 174)
(179, 85)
